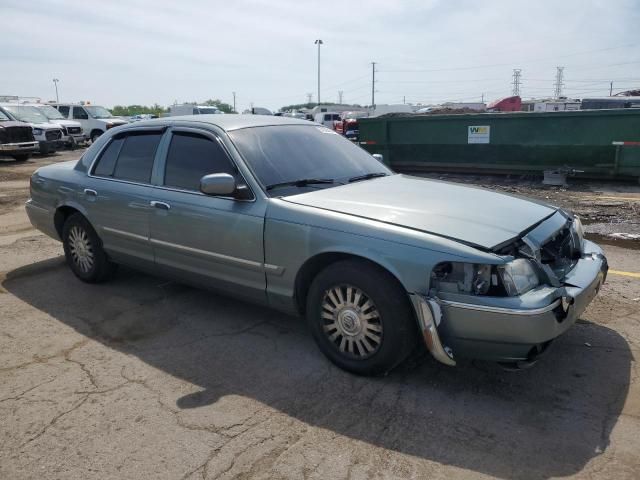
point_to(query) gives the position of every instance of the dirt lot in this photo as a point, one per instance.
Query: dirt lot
(144, 378)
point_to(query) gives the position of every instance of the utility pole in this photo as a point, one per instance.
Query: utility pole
(318, 42)
(340, 93)
(611, 89)
(559, 84)
(234, 101)
(517, 73)
(483, 98)
(55, 82)
(404, 99)
(309, 98)
(373, 85)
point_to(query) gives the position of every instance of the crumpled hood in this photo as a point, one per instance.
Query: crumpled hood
(472, 215)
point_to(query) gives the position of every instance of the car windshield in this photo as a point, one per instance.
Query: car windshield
(98, 112)
(27, 114)
(50, 112)
(287, 153)
(3, 117)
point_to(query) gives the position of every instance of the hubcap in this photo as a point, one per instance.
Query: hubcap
(351, 321)
(80, 248)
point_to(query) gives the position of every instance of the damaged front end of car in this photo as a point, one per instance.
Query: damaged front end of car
(510, 311)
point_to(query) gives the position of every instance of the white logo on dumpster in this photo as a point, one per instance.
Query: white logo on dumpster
(479, 134)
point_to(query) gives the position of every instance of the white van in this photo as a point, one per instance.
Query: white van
(95, 120)
(326, 118)
(192, 109)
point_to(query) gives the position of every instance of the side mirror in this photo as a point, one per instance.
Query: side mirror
(218, 184)
(378, 157)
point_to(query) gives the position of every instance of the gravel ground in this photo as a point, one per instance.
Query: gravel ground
(145, 378)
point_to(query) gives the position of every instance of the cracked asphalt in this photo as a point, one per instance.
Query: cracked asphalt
(143, 378)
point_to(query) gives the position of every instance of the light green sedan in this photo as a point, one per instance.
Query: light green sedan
(288, 214)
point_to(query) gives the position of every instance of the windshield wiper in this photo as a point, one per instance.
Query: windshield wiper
(367, 176)
(303, 182)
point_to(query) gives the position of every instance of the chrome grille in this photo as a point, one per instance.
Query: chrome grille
(53, 134)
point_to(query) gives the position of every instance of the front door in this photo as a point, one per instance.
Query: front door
(216, 241)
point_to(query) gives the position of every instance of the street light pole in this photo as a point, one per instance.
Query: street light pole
(234, 102)
(318, 42)
(55, 82)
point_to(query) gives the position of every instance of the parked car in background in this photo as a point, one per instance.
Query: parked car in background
(258, 111)
(48, 135)
(192, 109)
(16, 138)
(95, 120)
(326, 118)
(348, 125)
(142, 116)
(72, 133)
(292, 215)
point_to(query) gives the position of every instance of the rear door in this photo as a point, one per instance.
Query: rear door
(215, 241)
(118, 193)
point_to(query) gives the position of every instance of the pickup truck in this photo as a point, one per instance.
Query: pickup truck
(16, 138)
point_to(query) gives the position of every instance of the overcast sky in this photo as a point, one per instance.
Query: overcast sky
(142, 52)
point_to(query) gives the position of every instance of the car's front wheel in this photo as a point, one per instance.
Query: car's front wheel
(95, 135)
(360, 317)
(83, 251)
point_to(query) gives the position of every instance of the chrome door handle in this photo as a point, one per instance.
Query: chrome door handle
(161, 205)
(88, 191)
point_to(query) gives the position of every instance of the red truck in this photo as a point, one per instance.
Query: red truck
(348, 124)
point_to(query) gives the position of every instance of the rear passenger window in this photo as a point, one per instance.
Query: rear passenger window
(129, 157)
(136, 157)
(191, 157)
(107, 161)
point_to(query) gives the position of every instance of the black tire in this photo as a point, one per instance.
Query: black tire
(395, 317)
(99, 268)
(94, 135)
(23, 157)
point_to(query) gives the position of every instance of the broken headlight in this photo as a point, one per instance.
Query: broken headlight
(469, 278)
(579, 231)
(510, 279)
(518, 276)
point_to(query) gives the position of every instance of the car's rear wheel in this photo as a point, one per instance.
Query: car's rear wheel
(83, 251)
(360, 317)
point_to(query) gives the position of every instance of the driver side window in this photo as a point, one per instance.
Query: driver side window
(192, 156)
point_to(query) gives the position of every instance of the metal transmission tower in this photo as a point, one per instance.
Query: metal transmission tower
(559, 82)
(517, 73)
(373, 84)
(340, 93)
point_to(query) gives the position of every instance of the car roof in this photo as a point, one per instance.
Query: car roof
(228, 122)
